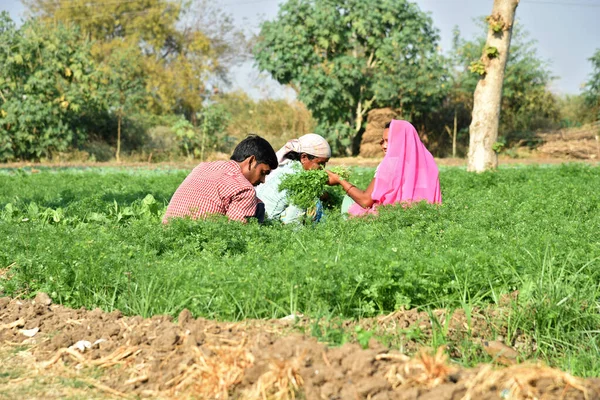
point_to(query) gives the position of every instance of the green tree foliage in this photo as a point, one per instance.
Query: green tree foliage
(575, 111)
(123, 84)
(103, 69)
(592, 87)
(213, 121)
(178, 54)
(436, 128)
(48, 82)
(346, 57)
(195, 142)
(527, 103)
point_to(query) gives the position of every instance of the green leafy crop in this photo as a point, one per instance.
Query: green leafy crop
(305, 187)
(93, 237)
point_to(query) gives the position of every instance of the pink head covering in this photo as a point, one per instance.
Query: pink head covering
(408, 172)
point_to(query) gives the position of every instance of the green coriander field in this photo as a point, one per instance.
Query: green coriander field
(93, 238)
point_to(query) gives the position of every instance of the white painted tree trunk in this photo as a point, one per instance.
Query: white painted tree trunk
(483, 131)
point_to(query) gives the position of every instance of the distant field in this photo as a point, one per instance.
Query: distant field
(503, 160)
(92, 237)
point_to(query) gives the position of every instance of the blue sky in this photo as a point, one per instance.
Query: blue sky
(567, 32)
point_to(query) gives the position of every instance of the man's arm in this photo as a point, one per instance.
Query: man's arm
(243, 205)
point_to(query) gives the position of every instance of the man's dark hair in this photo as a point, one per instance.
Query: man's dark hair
(388, 125)
(295, 156)
(258, 147)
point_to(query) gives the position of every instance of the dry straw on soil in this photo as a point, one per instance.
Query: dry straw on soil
(205, 376)
(129, 357)
(280, 382)
(212, 376)
(523, 381)
(424, 369)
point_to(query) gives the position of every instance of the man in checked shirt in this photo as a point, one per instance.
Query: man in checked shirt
(226, 187)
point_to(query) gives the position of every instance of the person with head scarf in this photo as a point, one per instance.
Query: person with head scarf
(310, 151)
(407, 174)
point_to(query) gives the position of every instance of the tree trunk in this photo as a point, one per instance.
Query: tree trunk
(454, 135)
(356, 137)
(483, 130)
(203, 138)
(361, 111)
(118, 137)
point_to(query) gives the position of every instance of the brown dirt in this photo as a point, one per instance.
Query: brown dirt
(525, 158)
(197, 358)
(530, 159)
(577, 143)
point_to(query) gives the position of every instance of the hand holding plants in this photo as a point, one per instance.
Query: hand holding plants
(333, 178)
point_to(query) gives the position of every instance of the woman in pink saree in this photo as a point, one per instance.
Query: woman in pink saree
(408, 173)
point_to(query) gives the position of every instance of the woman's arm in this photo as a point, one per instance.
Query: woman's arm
(361, 197)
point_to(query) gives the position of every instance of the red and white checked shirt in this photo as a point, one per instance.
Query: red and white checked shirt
(217, 187)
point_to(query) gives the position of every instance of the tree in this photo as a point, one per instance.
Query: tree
(123, 84)
(48, 83)
(178, 56)
(592, 86)
(488, 93)
(194, 141)
(349, 56)
(527, 104)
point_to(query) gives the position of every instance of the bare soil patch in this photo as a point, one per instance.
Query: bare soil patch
(49, 351)
(526, 158)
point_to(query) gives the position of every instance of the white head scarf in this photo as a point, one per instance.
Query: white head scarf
(311, 143)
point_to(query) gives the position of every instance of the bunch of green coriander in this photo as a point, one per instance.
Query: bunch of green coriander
(305, 187)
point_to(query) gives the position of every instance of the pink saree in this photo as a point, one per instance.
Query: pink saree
(407, 174)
